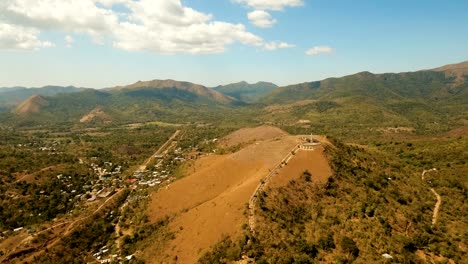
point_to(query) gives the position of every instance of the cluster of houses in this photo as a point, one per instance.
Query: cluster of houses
(147, 178)
(107, 170)
(50, 147)
(104, 256)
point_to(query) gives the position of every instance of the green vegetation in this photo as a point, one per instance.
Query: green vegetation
(346, 107)
(246, 92)
(91, 236)
(375, 203)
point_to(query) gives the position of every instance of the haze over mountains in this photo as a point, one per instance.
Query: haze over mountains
(12, 96)
(427, 96)
(246, 92)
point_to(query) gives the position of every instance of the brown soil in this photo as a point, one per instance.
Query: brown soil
(313, 161)
(33, 104)
(210, 202)
(456, 132)
(249, 135)
(96, 114)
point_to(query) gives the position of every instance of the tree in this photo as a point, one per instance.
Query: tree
(349, 246)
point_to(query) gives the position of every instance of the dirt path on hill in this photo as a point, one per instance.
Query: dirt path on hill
(263, 183)
(439, 199)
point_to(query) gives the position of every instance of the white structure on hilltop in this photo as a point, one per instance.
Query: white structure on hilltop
(310, 143)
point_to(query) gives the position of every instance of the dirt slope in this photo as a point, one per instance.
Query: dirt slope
(96, 114)
(249, 135)
(211, 201)
(313, 161)
(33, 104)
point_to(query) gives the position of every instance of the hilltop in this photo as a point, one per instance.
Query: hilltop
(142, 101)
(13, 96)
(425, 100)
(458, 70)
(247, 92)
(33, 104)
(171, 87)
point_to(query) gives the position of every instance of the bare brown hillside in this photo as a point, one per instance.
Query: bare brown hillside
(96, 114)
(314, 162)
(457, 70)
(249, 135)
(210, 202)
(33, 104)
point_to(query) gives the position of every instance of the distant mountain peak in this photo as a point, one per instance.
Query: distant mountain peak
(197, 89)
(455, 66)
(246, 92)
(457, 70)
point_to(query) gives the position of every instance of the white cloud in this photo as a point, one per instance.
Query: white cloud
(261, 18)
(278, 45)
(13, 37)
(319, 50)
(81, 16)
(162, 26)
(69, 41)
(270, 4)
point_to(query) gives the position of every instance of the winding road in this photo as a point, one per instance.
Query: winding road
(261, 186)
(439, 199)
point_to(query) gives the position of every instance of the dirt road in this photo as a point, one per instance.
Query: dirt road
(160, 150)
(439, 199)
(261, 186)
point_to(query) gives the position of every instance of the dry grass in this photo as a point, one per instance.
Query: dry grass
(248, 135)
(210, 202)
(313, 161)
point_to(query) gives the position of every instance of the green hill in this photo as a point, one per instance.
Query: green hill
(13, 96)
(156, 100)
(424, 100)
(246, 92)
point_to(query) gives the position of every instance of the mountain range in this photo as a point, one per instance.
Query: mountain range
(426, 98)
(246, 92)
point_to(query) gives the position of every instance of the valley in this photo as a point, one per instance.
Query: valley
(165, 171)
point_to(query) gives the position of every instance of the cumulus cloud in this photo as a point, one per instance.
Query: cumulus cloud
(319, 50)
(278, 45)
(69, 41)
(270, 4)
(13, 37)
(162, 26)
(261, 18)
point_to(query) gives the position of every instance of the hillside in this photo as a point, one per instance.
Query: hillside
(97, 114)
(13, 96)
(425, 100)
(33, 104)
(458, 70)
(143, 101)
(171, 88)
(246, 92)
(375, 208)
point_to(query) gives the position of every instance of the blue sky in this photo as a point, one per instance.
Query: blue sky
(377, 36)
